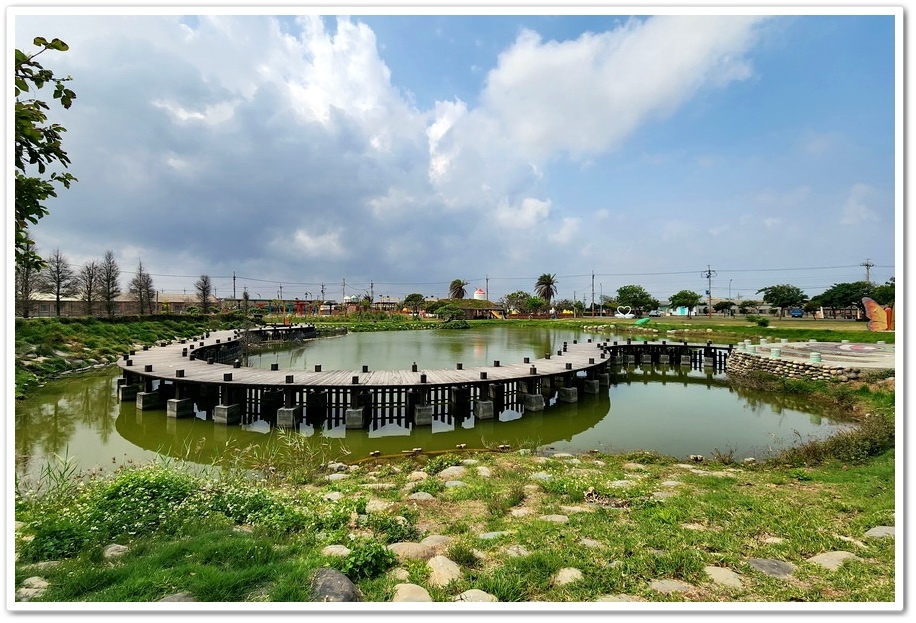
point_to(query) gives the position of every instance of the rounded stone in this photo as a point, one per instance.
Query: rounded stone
(410, 592)
(452, 473)
(411, 551)
(474, 594)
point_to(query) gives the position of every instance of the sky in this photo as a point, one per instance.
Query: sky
(383, 152)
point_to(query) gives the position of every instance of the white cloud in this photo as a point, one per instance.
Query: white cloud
(326, 245)
(528, 214)
(816, 144)
(446, 115)
(856, 209)
(588, 95)
(783, 199)
(566, 232)
(212, 115)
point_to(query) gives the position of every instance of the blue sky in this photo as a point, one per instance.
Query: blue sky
(397, 152)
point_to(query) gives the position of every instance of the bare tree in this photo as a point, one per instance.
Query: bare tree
(141, 288)
(87, 285)
(109, 282)
(28, 282)
(204, 291)
(58, 278)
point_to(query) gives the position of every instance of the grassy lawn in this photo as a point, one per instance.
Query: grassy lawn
(226, 538)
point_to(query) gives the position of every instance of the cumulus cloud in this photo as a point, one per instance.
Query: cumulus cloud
(587, 95)
(567, 230)
(856, 209)
(526, 215)
(250, 141)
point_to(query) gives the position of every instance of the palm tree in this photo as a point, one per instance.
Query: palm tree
(456, 289)
(546, 286)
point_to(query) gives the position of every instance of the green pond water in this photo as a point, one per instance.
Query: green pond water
(673, 410)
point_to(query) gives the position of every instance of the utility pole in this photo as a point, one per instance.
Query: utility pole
(867, 264)
(708, 274)
(486, 279)
(593, 293)
(233, 284)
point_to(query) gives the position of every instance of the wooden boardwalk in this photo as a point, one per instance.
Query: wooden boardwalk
(206, 371)
(164, 362)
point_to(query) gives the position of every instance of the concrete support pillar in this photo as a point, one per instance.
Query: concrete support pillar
(568, 394)
(483, 409)
(354, 418)
(227, 414)
(127, 393)
(148, 400)
(289, 417)
(179, 407)
(591, 386)
(533, 402)
(423, 415)
(604, 379)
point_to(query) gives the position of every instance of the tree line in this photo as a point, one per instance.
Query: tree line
(96, 284)
(782, 297)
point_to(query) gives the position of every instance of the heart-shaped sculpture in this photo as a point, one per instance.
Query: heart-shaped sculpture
(624, 310)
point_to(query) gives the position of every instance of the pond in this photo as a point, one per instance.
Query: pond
(673, 410)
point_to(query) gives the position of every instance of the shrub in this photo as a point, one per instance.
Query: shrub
(137, 501)
(53, 538)
(874, 436)
(392, 529)
(366, 559)
(760, 321)
(259, 506)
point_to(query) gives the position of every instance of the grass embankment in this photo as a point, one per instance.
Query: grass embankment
(234, 534)
(47, 347)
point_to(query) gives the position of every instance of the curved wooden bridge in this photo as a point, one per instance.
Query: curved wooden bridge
(206, 372)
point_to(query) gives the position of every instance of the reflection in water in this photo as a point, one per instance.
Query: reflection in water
(673, 410)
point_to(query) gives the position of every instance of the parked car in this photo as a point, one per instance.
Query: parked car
(795, 312)
(654, 312)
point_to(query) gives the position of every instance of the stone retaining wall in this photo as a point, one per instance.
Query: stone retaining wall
(742, 364)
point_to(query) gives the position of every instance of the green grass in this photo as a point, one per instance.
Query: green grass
(62, 344)
(237, 539)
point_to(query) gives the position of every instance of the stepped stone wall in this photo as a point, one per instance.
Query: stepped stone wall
(742, 364)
